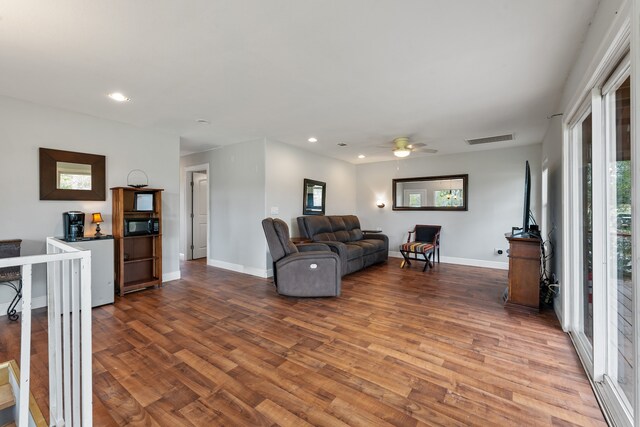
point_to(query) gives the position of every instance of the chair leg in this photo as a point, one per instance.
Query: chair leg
(405, 261)
(427, 260)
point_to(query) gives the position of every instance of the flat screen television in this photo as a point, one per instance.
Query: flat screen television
(527, 200)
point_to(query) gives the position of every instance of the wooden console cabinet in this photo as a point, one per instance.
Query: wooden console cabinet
(138, 259)
(524, 271)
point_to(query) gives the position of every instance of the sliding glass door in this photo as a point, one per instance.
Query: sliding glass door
(581, 134)
(600, 259)
(621, 339)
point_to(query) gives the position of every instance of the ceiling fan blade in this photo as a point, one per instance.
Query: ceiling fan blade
(386, 145)
(416, 145)
(426, 150)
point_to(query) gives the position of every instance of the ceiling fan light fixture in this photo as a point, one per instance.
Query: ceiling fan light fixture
(401, 152)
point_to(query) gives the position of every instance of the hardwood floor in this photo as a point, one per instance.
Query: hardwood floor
(399, 347)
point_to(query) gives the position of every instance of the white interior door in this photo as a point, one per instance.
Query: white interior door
(200, 217)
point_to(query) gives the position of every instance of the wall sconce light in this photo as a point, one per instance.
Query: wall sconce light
(380, 204)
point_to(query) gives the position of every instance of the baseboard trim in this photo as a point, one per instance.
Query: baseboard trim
(174, 275)
(265, 273)
(464, 261)
(37, 302)
(557, 308)
(239, 268)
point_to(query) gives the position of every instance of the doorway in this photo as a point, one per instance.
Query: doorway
(196, 213)
(199, 214)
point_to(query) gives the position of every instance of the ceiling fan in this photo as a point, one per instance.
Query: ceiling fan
(402, 147)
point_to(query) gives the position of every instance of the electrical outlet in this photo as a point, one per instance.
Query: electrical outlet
(498, 251)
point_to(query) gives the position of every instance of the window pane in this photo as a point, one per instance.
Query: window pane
(620, 258)
(587, 228)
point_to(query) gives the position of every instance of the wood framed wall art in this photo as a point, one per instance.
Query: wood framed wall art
(67, 175)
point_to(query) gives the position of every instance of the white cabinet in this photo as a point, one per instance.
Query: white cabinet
(102, 277)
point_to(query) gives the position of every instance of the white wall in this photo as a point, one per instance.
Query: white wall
(496, 194)
(552, 161)
(271, 175)
(246, 180)
(24, 127)
(288, 166)
(604, 26)
(236, 205)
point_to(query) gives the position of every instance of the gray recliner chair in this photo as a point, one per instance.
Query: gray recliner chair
(305, 270)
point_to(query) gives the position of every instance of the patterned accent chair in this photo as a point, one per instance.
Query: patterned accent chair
(304, 270)
(426, 244)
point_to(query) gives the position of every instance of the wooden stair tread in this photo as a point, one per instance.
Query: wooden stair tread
(11, 424)
(6, 396)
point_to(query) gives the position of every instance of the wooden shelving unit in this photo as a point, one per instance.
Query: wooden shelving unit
(138, 259)
(524, 271)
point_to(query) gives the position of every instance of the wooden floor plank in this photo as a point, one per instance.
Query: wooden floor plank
(399, 347)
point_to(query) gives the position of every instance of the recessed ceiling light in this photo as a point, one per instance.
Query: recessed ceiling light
(312, 139)
(117, 96)
(361, 156)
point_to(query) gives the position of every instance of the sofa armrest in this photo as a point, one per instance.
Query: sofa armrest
(378, 236)
(306, 247)
(337, 247)
(306, 256)
(306, 274)
(340, 249)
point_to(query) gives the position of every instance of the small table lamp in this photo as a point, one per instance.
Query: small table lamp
(97, 219)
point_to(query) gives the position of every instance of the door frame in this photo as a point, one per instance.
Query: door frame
(187, 173)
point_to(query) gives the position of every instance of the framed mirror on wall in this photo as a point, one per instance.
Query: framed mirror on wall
(431, 193)
(67, 175)
(313, 197)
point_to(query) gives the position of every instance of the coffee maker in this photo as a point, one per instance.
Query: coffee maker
(73, 223)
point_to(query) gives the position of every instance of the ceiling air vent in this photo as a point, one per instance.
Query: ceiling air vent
(489, 139)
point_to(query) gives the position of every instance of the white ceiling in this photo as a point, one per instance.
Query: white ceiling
(355, 71)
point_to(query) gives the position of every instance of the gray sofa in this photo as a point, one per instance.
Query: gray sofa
(343, 235)
(306, 270)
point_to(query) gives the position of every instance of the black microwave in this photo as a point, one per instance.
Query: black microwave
(141, 226)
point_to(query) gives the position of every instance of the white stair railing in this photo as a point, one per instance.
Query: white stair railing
(69, 311)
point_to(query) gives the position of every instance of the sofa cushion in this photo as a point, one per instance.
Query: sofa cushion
(339, 229)
(315, 227)
(370, 246)
(282, 231)
(351, 222)
(355, 235)
(354, 251)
